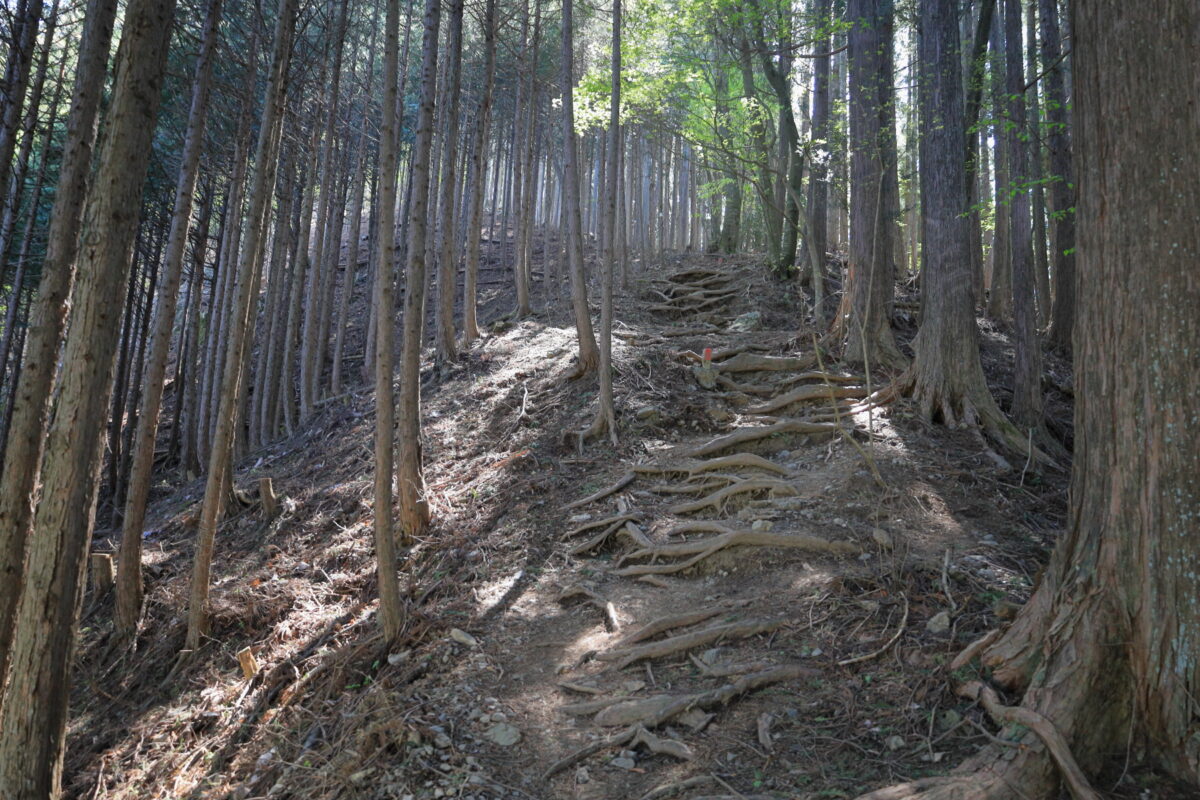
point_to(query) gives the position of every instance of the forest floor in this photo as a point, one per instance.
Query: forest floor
(775, 625)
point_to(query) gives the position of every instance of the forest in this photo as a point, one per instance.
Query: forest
(600, 399)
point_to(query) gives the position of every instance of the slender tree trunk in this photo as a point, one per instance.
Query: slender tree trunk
(476, 180)
(31, 398)
(1000, 296)
(447, 349)
(414, 506)
(219, 464)
(1035, 176)
(818, 204)
(1062, 190)
(129, 572)
(33, 728)
(589, 355)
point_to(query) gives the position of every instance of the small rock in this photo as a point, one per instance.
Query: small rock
(441, 741)
(882, 538)
(398, 658)
(939, 623)
(648, 414)
(751, 321)
(711, 656)
(582, 776)
(503, 734)
(464, 638)
(761, 525)
(893, 743)
(578, 518)
(623, 763)
(633, 686)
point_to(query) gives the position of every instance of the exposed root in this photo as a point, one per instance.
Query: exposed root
(589, 706)
(805, 394)
(616, 740)
(968, 654)
(746, 460)
(628, 529)
(747, 362)
(662, 624)
(708, 485)
(743, 436)
(704, 548)
(718, 498)
(621, 483)
(595, 598)
(618, 520)
(1055, 743)
(686, 641)
(678, 787)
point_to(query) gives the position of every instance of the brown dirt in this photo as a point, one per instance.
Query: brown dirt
(941, 528)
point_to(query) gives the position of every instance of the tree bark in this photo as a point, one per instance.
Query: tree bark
(33, 727)
(32, 393)
(447, 348)
(1107, 650)
(129, 571)
(1062, 190)
(476, 181)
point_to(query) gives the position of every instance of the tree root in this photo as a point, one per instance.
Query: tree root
(747, 460)
(621, 483)
(662, 624)
(678, 787)
(618, 520)
(606, 607)
(807, 393)
(704, 548)
(748, 362)
(718, 498)
(686, 641)
(628, 529)
(743, 436)
(1055, 743)
(708, 485)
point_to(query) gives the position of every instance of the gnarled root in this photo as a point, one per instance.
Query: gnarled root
(701, 549)
(743, 436)
(621, 483)
(663, 624)
(686, 641)
(630, 530)
(806, 394)
(721, 496)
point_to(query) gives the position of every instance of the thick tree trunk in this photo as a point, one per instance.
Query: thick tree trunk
(866, 326)
(220, 459)
(129, 571)
(414, 506)
(1107, 652)
(33, 726)
(1000, 288)
(47, 322)
(818, 198)
(447, 276)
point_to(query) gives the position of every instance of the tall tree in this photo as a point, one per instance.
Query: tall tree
(447, 349)
(1106, 652)
(867, 327)
(589, 354)
(414, 507)
(483, 119)
(220, 461)
(818, 187)
(1027, 376)
(1062, 189)
(30, 402)
(33, 716)
(129, 573)
(390, 609)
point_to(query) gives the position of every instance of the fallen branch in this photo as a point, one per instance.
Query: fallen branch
(868, 656)
(592, 596)
(621, 483)
(620, 519)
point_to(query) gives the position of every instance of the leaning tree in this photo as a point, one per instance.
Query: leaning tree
(1106, 655)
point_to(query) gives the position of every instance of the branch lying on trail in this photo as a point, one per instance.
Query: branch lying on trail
(804, 394)
(751, 485)
(703, 548)
(1057, 746)
(657, 626)
(666, 711)
(621, 483)
(868, 656)
(746, 435)
(625, 656)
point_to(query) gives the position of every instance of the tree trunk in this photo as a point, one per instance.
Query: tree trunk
(1106, 652)
(414, 506)
(220, 459)
(1062, 190)
(476, 181)
(32, 394)
(129, 571)
(589, 355)
(1000, 292)
(33, 729)
(447, 348)
(867, 327)
(818, 202)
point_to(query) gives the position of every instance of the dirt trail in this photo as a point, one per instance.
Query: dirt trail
(755, 594)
